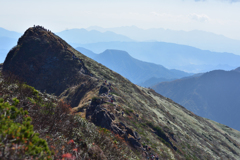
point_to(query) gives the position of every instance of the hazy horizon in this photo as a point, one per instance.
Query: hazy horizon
(216, 16)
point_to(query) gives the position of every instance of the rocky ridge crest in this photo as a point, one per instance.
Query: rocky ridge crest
(48, 63)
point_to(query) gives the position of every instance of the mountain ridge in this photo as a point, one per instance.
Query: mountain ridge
(135, 70)
(93, 36)
(196, 38)
(185, 58)
(169, 129)
(212, 95)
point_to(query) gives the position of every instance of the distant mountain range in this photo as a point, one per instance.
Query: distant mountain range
(135, 70)
(214, 95)
(87, 52)
(199, 39)
(8, 39)
(172, 55)
(9, 34)
(181, 57)
(154, 81)
(85, 36)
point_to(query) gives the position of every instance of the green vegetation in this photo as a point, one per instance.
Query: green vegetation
(18, 140)
(48, 129)
(128, 111)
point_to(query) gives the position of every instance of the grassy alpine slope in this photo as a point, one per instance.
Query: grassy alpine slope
(50, 64)
(55, 131)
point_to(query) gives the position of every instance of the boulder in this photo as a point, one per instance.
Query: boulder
(130, 131)
(122, 124)
(112, 116)
(103, 89)
(101, 117)
(134, 143)
(136, 136)
(117, 130)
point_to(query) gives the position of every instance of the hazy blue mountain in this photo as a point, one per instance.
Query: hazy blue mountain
(85, 36)
(172, 55)
(124, 64)
(135, 70)
(199, 39)
(3, 54)
(214, 95)
(9, 34)
(154, 81)
(8, 39)
(6, 44)
(86, 52)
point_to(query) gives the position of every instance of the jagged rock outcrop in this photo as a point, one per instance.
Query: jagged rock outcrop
(103, 89)
(45, 61)
(100, 116)
(135, 143)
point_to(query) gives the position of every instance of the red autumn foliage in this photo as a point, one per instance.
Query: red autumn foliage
(67, 155)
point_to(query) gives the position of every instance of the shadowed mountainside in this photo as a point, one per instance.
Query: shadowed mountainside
(214, 95)
(86, 52)
(170, 55)
(135, 70)
(153, 81)
(46, 62)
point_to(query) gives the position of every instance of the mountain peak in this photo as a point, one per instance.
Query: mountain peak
(45, 59)
(115, 52)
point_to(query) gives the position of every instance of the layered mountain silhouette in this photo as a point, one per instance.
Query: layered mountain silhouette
(154, 81)
(135, 70)
(86, 52)
(9, 34)
(171, 55)
(85, 36)
(214, 95)
(196, 38)
(48, 63)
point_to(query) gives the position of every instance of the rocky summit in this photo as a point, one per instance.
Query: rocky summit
(151, 124)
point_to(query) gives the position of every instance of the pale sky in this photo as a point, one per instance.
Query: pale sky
(217, 16)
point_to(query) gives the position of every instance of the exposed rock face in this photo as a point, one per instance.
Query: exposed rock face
(103, 89)
(45, 61)
(117, 130)
(100, 116)
(134, 142)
